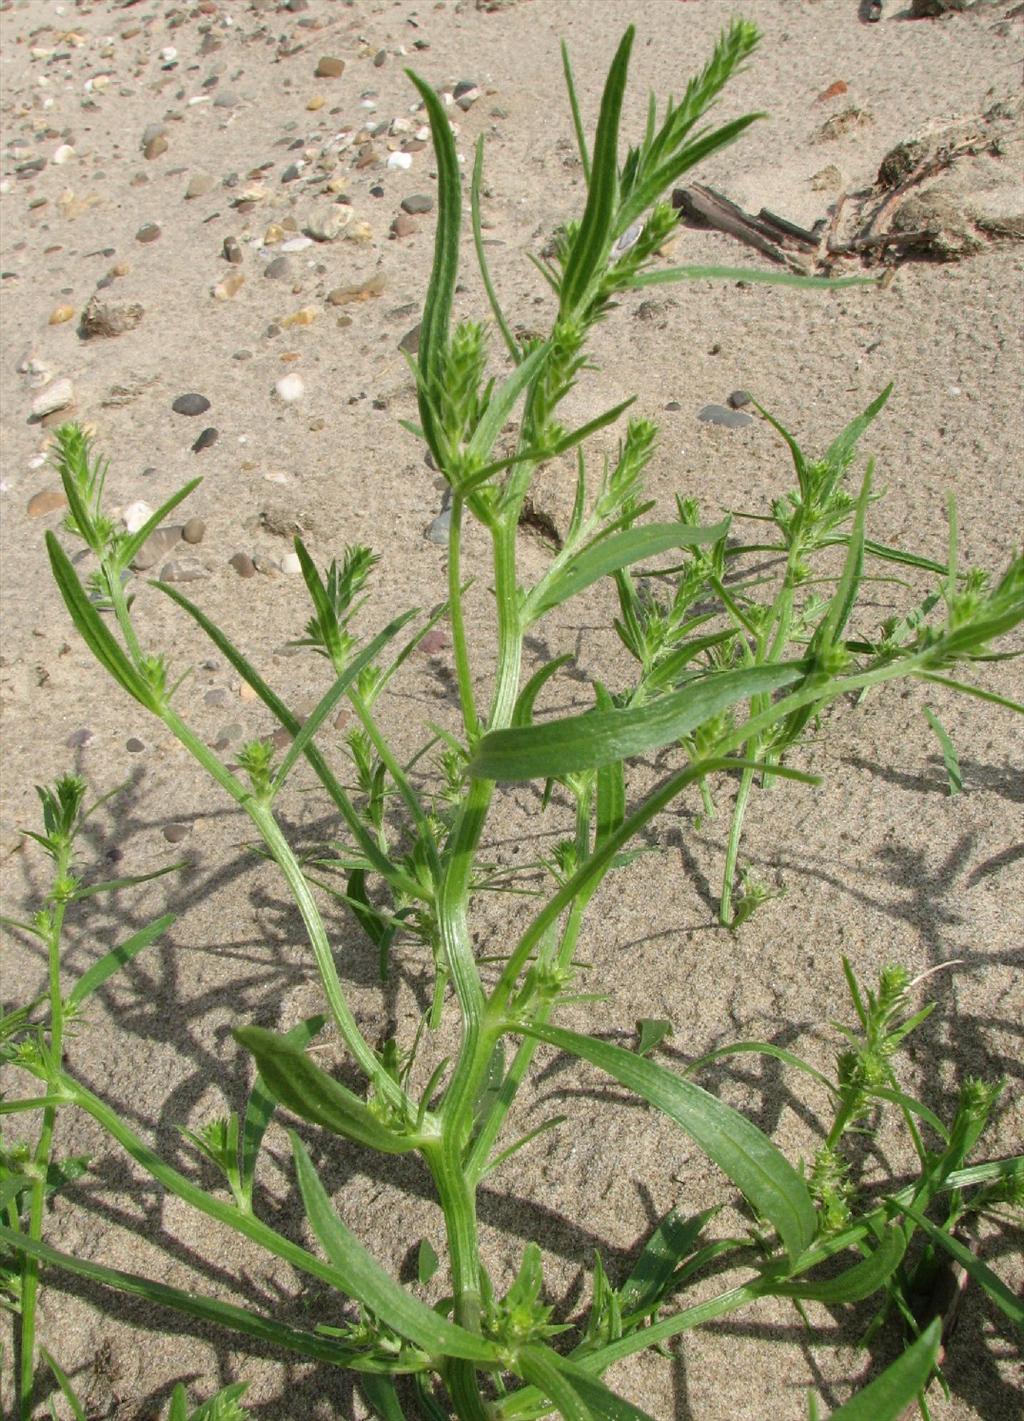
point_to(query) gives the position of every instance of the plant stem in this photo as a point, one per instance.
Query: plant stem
(459, 643)
(733, 846)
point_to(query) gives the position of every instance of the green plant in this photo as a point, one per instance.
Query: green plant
(727, 677)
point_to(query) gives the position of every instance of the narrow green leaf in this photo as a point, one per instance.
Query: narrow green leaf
(114, 960)
(523, 713)
(651, 1031)
(888, 1396)
(764, 1048)
(481, 254)
(594, 237)
(130, 547)
(380, 1393)
(64, 1382)
(585, 742)
(261, 1106)
(831, 627)
(92, 629)
(312, 1094)
(179, 1403)
(538, 1365)
(611, 554)
(501, 404)
(651, 189)
(908, 1103)
(237, 1319)
(313, 722)
(976, 691)
(131, 880)
(577, 121)
(950, 759)
(603, 1404)
(746, 1155)
(427, 1261)
(982, 1274)
(840, 451)
(366, 1280)
(220, 1406)
(857, 1282)
(663, 275)
(672, 1240)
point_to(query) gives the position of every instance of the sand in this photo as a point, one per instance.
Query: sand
(879, 863)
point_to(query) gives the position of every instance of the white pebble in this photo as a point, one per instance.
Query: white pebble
(55, 397)
(64, 153)
(136, 514)
(276, 476)
(168, 53)
(400, 160)
(290, 563)
(296, 244)
(291, 387)
(37, 461)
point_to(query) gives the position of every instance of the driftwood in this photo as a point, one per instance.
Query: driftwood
(772, 235)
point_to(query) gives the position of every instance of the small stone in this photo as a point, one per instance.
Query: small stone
(227, 735)
(175, 833)
(229, 287)
(60, 314)
(329, 223)
(380, 59)
(136, 515)
(217, 697)
(226, 100)
(191, 405)
(79, 739)
(290, 388)
(148, 233)
(290, 564)
(367, 156)
(243, 565)
(280, 269)
(199, 185)
(410, 342)
(206, 440)
(303, 317)
(64, 154)
(329, 67)
(418, 202)
(49, 501)
(297, 244)
(400, 160)
(827, 179)
(467, 98)
(134, 745)
(292, 172)
(194, 530)
(55, 397)
(364, 291)
(183, 570)
(719, 414)
(435, 640)
(101, 318)
(673, 405)
(439, 529)
(403, 225)
(232, 251)
(159, 543)
(316, 102)
(155, 147)
(738, 399)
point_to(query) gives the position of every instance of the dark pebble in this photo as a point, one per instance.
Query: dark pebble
(293, 171)
(217, 697)
(376, 190)
(209, 436)
(79, 739)
(418, 202)
(232, 251)
(380, 58)
(410, 342)
(134, 746)
(330, 67)
(719, 414)
(673, 405)
(191, 404)
(174, 833)
(148, 233)
(279, 269)
(403, 226)
(243, 565)
(738, 398)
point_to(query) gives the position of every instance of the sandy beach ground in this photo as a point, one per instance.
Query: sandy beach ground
(163, 168)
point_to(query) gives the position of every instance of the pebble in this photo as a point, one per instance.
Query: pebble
(738, 398)
(79, 739)
(134, 745)
(316, 102)
(159, 543)
(206, 440)
(226, 100)
(175, 833)
(403, 225)
(55, 397)
(719, 414)
(305, 316)
(400, 160)
(380, 59)
(329, 67)
(290, 564)
(328, 223)
(232, 251)
(364, 291)
(60, 314)
(292, 172)
(183, 570)
(102, 318)
(229, 287)
(194, 530)
(199, 185)
(148, 233)
(155, 147)
(191, 404)
(439, 529)
(297, 244)
(435, 640)
(49, 501)
(64, 154)
(280, 269)
(418, 202)
(136, 515)
(243, 565)
(290, 387)
(410, 342)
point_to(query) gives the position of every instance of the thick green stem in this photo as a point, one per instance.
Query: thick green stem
(460, 643)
